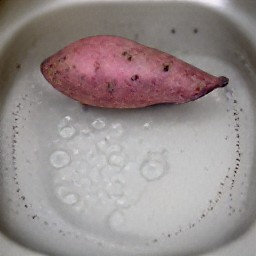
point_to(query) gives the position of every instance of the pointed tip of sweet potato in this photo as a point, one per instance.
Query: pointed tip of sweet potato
(223, 81)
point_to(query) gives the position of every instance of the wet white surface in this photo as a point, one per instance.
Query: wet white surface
(140, 182)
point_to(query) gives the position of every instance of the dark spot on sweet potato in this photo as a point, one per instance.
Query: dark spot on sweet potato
(67, 69)
(57, 72)
(127, 55)
(82, 77)
(166, 67)
(62, 59)
(74, 66)
(197, 89)
(135, 77)
(110, 87)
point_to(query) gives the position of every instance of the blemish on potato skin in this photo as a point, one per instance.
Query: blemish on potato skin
(127, 55)
(166, 67)
(57, 72)
(197, 89)
(135, 77)
(110, 87)
(62, 59)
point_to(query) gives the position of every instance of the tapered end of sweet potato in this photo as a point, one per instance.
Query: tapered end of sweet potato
(218, 82)
(223, 81)
(45, 68)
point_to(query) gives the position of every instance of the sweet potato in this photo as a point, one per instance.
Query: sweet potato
(114, 72)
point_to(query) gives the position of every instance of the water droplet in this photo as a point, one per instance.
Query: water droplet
(122, 202)
(67, 132)
(116, 160)
(154, 166)
(146, 126)
(86, 131)
(70, 198)
(152, 170)
(116, 219)
(66, 196)
(68, 118)
(59, 159)
(98, 124)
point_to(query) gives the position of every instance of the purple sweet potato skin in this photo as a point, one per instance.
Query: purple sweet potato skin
(114, 72)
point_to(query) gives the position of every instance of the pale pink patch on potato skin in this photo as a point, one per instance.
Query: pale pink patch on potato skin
(115, 72)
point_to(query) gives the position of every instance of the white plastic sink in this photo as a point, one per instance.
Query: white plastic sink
(168, 180)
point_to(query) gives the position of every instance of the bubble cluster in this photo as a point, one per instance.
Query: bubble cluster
(99, 170)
